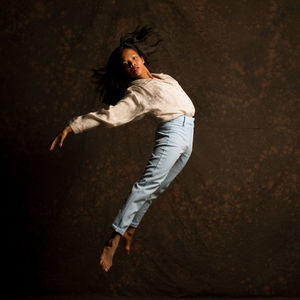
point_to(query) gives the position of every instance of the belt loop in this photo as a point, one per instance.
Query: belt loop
(183, 120)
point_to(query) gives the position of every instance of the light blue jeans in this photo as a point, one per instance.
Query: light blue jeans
(172, 149)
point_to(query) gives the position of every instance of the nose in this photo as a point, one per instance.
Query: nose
(131, 65)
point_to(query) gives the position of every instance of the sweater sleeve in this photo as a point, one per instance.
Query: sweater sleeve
(127, 109)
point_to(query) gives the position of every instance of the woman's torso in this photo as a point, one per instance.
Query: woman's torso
(163, 97)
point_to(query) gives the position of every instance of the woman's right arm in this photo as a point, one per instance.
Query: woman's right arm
(61, 137)
(127, 109)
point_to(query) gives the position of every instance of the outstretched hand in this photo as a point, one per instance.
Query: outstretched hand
(61, 137)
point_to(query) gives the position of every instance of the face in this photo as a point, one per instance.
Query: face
(132, 63)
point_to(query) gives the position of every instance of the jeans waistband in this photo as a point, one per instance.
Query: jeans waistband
(182, 120)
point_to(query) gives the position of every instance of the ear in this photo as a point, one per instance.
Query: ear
(143, 60)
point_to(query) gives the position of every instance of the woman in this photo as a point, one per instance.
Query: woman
(132, 92)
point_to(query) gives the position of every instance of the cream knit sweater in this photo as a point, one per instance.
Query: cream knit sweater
(160, 97)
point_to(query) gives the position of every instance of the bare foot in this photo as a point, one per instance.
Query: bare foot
(109, 250)
(128, 235)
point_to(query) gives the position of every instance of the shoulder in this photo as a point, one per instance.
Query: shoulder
(134, 89)
(136, 93)
(162, 75)
(166, 77)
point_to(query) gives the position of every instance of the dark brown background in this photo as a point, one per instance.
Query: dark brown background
(229, 223)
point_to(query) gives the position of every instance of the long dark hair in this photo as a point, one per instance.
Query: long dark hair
(111, 80)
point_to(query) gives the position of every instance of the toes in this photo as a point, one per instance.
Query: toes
(104, 266)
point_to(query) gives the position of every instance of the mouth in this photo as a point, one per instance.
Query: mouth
(135, 69)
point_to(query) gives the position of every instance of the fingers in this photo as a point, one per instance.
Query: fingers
(54, 143)
(63, 136)
(60, 137)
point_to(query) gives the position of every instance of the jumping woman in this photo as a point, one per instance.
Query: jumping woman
(132, 91)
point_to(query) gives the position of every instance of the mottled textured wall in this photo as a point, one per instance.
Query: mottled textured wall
(229, 223)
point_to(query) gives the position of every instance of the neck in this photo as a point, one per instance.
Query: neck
(145, 75)
(149, 74)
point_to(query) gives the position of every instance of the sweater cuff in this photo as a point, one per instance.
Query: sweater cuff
(75, 128)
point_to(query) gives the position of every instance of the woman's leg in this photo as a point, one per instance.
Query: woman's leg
(175, 170)
(171, 140)
(162, 159)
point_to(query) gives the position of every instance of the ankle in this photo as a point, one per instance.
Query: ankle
(129, 234)
(114, 239)
(131, 229)
(115, 235)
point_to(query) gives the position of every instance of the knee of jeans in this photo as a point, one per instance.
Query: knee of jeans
(145, 187)
(149, 186)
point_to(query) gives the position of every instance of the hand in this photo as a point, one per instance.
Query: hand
(61, 137)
